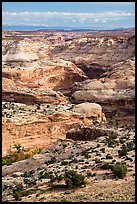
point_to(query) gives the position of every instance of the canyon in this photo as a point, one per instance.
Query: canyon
(66, 86)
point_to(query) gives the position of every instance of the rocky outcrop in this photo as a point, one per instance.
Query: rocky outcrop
(90, 110)
(69, 67)
(98, 53)
(90, 133)
(38, 131)
(114, 91)
(12, 93)
(28, 64)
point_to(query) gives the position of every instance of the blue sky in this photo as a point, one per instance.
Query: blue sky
(71, 14)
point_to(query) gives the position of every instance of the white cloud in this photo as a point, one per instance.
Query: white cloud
(63, 18)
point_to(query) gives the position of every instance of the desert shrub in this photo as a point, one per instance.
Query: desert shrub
(18, 147)
(129, 158)
(60, 177)
(85, 154)
(64, 162)
(44, 174)
(26, 174)
(113, 136)
(65, 200)
(109, 156)
(64, 145)
(130, 146)
(18, 187)
(17, 196)
(19, 154)
(97, 161)
(89, 174)
(111, 142)
(123, 151)
(98, 145)
(81, 160)
(36, 151)
(17, 192)
(74, 160)
(84, 167)
(27, 181)
(73, 179)
(106, 166)
(94, 174)
(52, 160)
(102, 149)
(122, 140)
(119, 170)
(6, 161)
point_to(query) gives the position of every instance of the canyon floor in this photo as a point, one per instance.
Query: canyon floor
(71, 95)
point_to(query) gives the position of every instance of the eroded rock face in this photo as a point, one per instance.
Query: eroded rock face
(28, 64)
(62, 69)
(37, 130)
(114, 91)
(90, 133)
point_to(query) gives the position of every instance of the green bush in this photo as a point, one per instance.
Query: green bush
(60, 177)
(98, 145)
(17, 196)
(97, 161)
(130, 146)
(89, 174)
(18, 147)
(73, 179)
(85, 154)
(17, 192)
(113, 136)
(27, 181)
(64, 162)
(102, 150)
(19, 154)
(74, 160)
(106, 166)
(119, 170)
(111, 142)
(52, 160)
(109, 156)
(64, 145)
(123, 151)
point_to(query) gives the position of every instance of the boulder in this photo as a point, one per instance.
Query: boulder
(90, 110)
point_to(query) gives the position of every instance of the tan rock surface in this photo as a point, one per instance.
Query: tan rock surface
(38, 131)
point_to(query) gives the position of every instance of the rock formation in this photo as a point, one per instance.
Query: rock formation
(93, 72)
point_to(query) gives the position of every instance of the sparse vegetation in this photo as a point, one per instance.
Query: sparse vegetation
(51, 161)
(19, 154)
(64, 162)
(119, 170)
(97, 160)
(74, 179)
(85, 154)
(17, 192)
(123, 151)
(64, 145)
(109, 156)
(130, 146)
(111, 141)
(106, 166)
(102, 149)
